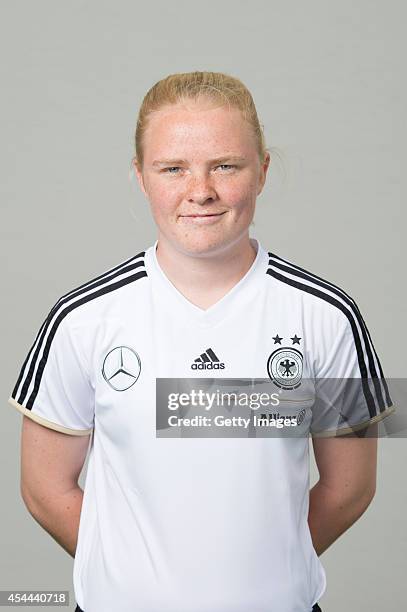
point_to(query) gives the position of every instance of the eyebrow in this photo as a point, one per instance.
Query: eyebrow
(218, 160)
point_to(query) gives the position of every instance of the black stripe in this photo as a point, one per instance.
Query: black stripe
(96, 282)
(205, 358)
(337, 292)
(119, 268)
(346, 298)
(84, 300)
(331, 285)
(47, 322)
(14, 393)
(77, 290)
(359, 351)
(212, 354)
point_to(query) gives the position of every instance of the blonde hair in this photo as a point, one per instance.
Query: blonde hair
(218, 87)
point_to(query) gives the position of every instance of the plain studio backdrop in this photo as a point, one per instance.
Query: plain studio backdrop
(328, 79)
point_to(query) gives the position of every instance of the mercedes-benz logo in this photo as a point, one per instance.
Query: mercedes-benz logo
(121, 368)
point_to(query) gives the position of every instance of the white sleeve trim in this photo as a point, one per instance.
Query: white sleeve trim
(46, 423)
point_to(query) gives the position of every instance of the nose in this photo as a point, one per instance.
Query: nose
(200, 189)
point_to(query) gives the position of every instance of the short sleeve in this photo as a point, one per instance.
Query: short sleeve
(53, 387)
(351, 391)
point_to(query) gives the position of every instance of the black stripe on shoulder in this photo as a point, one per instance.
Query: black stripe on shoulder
(64, 305)
(351, 312)
(306, 275)
(335, 289)
(124, 266)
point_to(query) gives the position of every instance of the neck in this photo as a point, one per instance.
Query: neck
(205, 280)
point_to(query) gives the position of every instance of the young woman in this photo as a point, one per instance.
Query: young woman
(171, 518)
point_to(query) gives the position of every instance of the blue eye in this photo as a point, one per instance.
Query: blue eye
(229, 166)
(171, 168)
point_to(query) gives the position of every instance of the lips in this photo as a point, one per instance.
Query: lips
(203, 216)
(200, 220)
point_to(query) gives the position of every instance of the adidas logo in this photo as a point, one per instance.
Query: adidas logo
(207, 361)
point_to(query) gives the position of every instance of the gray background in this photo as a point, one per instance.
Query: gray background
(328, 79)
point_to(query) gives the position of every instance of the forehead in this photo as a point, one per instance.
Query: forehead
(193, 124)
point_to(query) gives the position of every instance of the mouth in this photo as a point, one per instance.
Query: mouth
(201, 219)
(204, 216)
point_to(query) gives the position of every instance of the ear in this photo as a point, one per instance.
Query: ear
(139, 175)
(263, 172)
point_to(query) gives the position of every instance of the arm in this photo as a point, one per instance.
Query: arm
(51, 463)
(347, 485)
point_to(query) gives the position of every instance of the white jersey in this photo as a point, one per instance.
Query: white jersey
(211, 523)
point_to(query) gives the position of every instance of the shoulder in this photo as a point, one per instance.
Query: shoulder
(331, 320)
(99, 293)
(317, 294)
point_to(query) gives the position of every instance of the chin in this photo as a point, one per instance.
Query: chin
(202, 245)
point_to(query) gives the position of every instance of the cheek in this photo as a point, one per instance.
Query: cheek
(163, 199)
(240, 195)
(161, 209)
(161, 191)
(240, 191)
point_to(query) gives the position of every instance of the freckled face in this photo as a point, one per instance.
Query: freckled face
(201, 175)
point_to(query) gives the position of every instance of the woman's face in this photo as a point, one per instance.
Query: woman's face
(201, 175)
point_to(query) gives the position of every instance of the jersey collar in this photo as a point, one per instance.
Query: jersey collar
(176, 304)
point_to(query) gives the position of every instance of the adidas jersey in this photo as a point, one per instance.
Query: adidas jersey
(184, 523)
